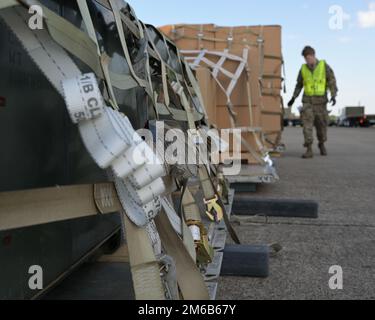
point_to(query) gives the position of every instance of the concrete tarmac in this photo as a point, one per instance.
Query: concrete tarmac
(344, 185)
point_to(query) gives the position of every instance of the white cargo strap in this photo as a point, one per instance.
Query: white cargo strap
(128, 193)
(172, 215)
(186, 272)
(112, 142)
(109, 128)
(85, 99)
(106, 134)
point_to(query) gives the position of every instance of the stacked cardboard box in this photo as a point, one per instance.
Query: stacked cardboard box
(264, 75)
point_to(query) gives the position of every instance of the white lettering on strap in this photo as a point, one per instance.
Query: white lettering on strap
(113, 143)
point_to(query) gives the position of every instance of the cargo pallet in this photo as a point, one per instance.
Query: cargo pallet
(109, 277)
(94, 279)
(251, 176)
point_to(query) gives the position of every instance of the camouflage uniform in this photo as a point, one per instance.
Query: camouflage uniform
(314, 111)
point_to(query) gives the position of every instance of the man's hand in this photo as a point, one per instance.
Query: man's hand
(333, 101)
(291, 102)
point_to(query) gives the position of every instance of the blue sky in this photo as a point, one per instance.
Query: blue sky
(349, 49)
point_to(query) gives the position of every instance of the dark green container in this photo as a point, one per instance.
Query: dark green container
(39, 147)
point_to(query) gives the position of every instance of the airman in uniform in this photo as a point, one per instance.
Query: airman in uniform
(316, 78)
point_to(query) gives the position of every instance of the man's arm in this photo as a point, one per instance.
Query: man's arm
(299, 86)
(331, 82)
(297, 90)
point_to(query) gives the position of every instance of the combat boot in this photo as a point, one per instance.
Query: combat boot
(323, 150)
(309, 153)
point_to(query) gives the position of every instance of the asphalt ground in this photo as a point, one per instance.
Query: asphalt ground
(344, 185)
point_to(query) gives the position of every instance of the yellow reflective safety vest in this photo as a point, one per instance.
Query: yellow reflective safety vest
(315, 82)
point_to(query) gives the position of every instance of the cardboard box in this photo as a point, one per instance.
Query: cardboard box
(208, 89)
(265, 72)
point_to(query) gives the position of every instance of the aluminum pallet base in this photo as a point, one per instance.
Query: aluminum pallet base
(254, 174)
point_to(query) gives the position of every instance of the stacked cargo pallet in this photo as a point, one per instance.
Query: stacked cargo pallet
(240, 75)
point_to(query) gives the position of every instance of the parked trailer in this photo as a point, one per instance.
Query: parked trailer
(353, 117)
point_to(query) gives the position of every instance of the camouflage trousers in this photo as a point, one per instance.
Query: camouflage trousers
(314, 115)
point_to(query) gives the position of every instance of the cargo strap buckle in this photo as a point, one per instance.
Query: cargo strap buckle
(205, 252)
(214, 210)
